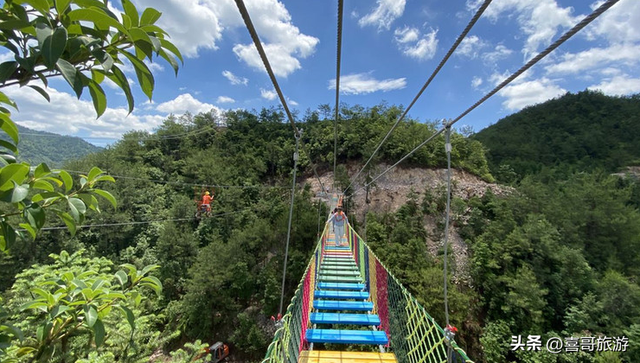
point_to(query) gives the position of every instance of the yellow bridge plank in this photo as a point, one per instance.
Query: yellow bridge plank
(331, 356)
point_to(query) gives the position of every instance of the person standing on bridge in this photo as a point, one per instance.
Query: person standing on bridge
(339, 220)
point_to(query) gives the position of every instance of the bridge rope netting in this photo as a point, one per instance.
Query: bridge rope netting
(411, 334)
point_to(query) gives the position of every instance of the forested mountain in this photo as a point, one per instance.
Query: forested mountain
(551, 257)
(582, 131)
(45, 147)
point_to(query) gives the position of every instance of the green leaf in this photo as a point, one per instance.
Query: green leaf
(71, 75)
(67, 179)
(98, 97)
(131, 11)
(9, 127)
(91, 315)
(149, 16)
(130, 317)
(120, 79)
(76, 208)
(8, 145)
(95, 171)
(19, 192)
(172, 48)
(145, 78)
(104, 178)
(8, 235)
(41, 92)
(122, 277)
(42, 170)
(89, 3)
(29, 229)
(69, 221)
(13, 24)
(7, 69)
(170, 59)
(152, 282)
(97, 16)
(12, 173)
(62, 5)
(36, 304)
(41, 5)
(8, 101)
(35, 215)
(106, 195)
(98, 331)
(43, 31)
(53, 47)
(148, 269)
(58, 310)
(105, 59)
(43, 185)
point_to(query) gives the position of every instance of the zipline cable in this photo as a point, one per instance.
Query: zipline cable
(338, 61)
(444, 60)
(75, 172)
(604, 7)
(286, 251)
(256, 41)
(132, 223)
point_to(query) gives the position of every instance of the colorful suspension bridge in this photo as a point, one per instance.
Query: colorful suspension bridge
(351, 307)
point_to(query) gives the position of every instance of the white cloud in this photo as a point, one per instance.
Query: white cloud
(268, 94)
(363, 83)
(154, 66)
(406, 34)
(476, 82)
(384, 14)
(470, 46)
(235, 80)
(529, 93)
(500, 52)
(596, 58)
(539, 20)
(225, 99)
(208, 20)
(5, 57)
(619, 24)
(68, 115)
(619, 85)
(410, 43)
(183, 103)
(203, 28)
(283, 42)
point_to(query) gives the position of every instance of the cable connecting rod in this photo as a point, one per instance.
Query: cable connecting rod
(263, 55)
(338, 59)
(596, 13)
(444, 60)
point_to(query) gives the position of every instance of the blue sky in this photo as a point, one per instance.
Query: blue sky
(390, 47)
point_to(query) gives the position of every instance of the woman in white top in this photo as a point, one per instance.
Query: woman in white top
(339, 219)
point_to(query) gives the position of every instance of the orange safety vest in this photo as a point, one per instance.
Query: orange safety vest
(339, 217)
(206, 199)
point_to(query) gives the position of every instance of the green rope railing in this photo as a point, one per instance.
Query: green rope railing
(414, 336)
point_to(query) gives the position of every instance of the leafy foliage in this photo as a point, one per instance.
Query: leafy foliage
(583, 131)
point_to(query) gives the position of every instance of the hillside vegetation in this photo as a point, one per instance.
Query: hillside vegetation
(45, 147)
(583, 131)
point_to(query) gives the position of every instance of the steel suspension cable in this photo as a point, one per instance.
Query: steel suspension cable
(286, 251)
(604, 7)
(265, 61)
(447, 147)
(338, 59)
(444, 60)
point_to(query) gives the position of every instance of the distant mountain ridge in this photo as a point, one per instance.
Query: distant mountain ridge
(38, 147)
(580, 131)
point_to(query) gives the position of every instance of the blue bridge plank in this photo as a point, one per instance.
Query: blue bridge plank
(326, 294)
(343, 305)
(340, 286)
(336, 318)
(347, 336)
